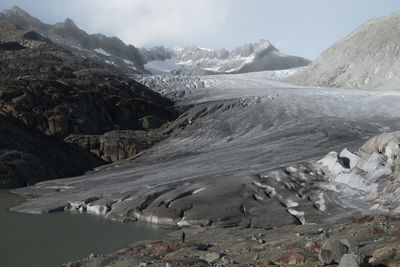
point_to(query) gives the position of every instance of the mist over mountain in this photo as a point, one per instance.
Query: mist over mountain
(259, 56)
(129, 59)
(367, 58)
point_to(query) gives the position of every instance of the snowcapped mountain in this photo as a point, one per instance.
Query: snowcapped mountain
(115, 54)
(110, 51)
(250, 57)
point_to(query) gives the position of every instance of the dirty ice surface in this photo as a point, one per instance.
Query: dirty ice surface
(245, 152)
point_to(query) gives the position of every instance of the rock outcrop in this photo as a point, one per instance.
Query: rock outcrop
(116, 145)
(28, 156)
(367, 58)
(53, 91)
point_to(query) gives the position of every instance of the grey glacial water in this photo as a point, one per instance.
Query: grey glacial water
(56, 238)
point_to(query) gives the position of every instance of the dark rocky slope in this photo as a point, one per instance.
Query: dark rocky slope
(61, 95)
(110, 52)
(28, 156)
(367, 58)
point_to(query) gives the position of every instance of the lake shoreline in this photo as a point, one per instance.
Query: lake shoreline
(50, 239)
(365, 238)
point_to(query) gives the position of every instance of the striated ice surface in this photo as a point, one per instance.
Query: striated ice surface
(248, 150)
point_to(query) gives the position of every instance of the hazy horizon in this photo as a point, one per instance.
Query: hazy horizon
(302, 28)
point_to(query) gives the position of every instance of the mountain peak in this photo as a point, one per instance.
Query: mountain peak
(264, 43)
(16, 11)
(69, 21)
(366, 58)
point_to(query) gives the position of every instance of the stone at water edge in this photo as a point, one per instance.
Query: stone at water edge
(332, 251)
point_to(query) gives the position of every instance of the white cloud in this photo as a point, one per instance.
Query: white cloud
(149, 22)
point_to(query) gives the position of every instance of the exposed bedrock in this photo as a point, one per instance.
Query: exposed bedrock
(28, 156)
(366, 58)
(121, 144)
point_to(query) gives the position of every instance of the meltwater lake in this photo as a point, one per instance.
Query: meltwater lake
(50, 239)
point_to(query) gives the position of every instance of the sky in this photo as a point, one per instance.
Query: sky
(297, 27)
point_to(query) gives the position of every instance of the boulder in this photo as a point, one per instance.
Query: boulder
(332, 251)
(211, 257)
(350, 260)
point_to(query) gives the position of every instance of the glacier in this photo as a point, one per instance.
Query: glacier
(249, 150)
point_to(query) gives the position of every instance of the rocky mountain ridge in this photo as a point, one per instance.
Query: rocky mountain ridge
(110, 52)
(366, 58)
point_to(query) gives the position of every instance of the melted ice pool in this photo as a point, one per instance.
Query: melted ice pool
(56, 238)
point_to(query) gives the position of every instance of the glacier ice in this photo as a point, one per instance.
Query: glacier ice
(261, 149)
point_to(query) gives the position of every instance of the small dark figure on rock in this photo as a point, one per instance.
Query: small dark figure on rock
(183, 237)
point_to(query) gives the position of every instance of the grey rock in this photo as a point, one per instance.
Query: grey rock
(211, 257)
(92, 255)
(310, 244)
(332, 251)
(350, 260)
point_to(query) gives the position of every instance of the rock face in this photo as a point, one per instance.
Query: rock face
(194, 60)
(367, 58)
(52, 91)
(28, 156)
(107, 51)
(116, 145)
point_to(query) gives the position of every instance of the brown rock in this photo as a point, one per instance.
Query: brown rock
(294, 255)
(384, 255)
(365, 219)
(394, 239)
(163, 249)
